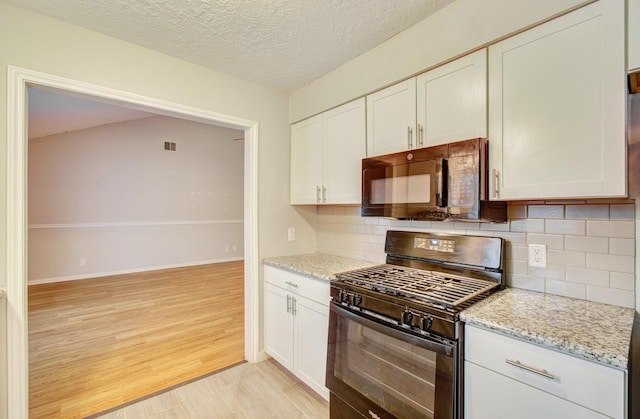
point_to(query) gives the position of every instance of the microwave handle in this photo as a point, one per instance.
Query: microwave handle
(442, 197)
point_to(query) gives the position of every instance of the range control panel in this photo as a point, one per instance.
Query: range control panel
(439, 245)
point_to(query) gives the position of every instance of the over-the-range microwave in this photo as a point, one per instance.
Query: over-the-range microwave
(444, 182)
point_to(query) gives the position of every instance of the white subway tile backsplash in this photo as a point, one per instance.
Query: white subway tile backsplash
(494, 226)
(622, 247)
(622, 229)
(590, 252)
(574, 227)
(622, 281)
(531, 283)
(567, 289)
(519, 252)
(613, 296)
(586, 244)
(552, 241)
(528, 225)
(512, 238)
(587, 276)
(566, 258)
(622, 212)
(371, 220)
(614, 263)
(546, 211)
(517, 267)
(550, 272)
(459, 225)
(587, 211)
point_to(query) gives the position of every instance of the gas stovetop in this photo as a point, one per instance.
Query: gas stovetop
(427, 281)
(439, 288)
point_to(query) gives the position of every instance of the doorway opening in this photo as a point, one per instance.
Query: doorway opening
(17, 333)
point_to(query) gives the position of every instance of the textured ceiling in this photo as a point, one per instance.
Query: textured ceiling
(281, 43)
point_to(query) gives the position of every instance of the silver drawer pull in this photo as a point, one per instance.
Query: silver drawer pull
(291, 284)
(519, 364)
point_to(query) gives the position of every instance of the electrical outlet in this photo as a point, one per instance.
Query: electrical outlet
(83, 262)
(291, 234)
(538, 255)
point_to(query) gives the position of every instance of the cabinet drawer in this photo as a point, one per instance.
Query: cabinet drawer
(515, 400)
(310, 288)
(586, 383)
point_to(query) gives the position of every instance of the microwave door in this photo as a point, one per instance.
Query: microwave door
(427, 189)
(403, 190)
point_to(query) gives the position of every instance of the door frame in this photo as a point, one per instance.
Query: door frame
(18, 80)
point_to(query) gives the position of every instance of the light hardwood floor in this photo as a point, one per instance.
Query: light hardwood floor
(247, 391)
(99, 343)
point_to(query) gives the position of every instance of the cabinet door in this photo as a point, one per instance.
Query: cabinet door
(557, 108)
(278, 325)
(306, 161)
(491, 395)
(391, 119)
(633, 34)
(452, 101)
(310, 342)
(345, 146)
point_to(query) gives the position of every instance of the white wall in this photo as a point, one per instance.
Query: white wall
(113, 197)
(453, 31)
(38, 43)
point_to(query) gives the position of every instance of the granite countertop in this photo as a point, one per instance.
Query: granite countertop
(317, 265)
(594, 331)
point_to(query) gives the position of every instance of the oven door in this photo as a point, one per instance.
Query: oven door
(380, 371)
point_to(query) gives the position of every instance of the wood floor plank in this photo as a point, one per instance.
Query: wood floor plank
(98, 343)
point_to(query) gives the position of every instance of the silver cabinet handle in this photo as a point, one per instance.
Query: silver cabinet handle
(288, 303)
(292, 284)
(421, 135)
(410, 137)
(324, 194)
(294, 302)
(543, 373)
(495, 176)
(318, 194)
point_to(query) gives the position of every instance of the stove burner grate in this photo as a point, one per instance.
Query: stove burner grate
(429, 286)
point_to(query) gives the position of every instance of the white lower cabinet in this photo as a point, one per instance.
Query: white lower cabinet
(296, 325)
(507, 378)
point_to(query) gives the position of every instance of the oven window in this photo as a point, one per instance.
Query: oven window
(396, 374)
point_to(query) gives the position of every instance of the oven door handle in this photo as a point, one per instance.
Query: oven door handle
(423, 342)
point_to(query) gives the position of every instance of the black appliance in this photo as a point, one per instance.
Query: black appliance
(448, 181)
(395, 340)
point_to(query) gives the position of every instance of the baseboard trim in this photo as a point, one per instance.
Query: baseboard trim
(129, 271)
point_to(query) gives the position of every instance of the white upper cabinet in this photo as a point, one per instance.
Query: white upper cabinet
(446, 104)
(557, 108)
(326, 156)
(633, 35)
(306, 160)
(452, 101)
(391, 119)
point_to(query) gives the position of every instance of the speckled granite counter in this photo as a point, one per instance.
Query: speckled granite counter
(317, 265)
(594, 331)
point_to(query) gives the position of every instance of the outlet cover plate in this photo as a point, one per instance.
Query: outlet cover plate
(291, 234)
(538, 255)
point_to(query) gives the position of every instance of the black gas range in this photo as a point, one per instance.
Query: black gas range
(412, 301)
